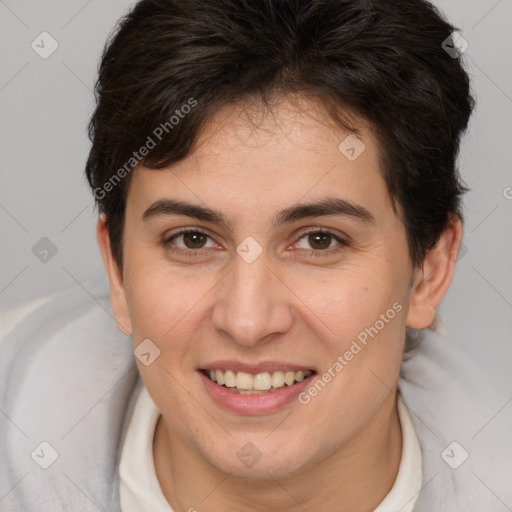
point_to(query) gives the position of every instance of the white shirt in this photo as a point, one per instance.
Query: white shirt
(140, 489)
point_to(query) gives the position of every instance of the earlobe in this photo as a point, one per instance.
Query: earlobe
(115, 278)
(432, 280)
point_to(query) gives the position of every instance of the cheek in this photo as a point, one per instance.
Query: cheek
(348, 301)
(360, 318)
(165, 306)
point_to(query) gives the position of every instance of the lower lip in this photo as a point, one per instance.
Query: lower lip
(253, 404)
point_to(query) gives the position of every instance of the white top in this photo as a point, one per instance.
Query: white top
(140, 489)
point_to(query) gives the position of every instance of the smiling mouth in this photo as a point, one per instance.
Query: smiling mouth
(248, 384)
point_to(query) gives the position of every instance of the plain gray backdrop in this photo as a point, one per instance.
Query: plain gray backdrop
(45, 105)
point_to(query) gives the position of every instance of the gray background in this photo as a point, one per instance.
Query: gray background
(45, 105)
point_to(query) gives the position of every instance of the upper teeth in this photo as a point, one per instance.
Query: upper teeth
(261, 381)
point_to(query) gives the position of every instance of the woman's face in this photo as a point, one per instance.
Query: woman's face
(255, 292)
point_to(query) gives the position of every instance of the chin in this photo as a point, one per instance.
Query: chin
(258, 460)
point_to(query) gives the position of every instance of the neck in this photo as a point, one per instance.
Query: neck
(355, 477)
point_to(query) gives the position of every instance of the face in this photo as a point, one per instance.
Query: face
(261, 285)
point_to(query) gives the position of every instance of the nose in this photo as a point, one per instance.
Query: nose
(252, 304)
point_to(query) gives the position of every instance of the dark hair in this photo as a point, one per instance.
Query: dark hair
(172, 64)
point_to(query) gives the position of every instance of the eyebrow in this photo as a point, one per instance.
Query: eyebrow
(328, 206)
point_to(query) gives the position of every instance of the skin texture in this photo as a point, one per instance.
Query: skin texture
(341, 451)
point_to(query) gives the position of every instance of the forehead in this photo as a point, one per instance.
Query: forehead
(249, 156)
(292, 123)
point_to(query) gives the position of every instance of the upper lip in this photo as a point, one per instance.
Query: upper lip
(261, 367)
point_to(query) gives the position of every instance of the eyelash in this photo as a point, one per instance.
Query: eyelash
(190, 253)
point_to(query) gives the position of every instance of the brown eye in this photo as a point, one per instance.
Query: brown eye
(188, 240)
(320, 241)
(194, 240)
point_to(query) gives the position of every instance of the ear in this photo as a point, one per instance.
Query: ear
(115, 278)
(432, 280)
